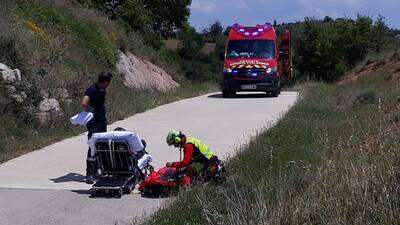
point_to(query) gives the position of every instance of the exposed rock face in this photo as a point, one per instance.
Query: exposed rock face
(12, 78)
(3, 67)
(49, 111)
(8, 75)
(62, 93)
(142, 74)
(48, 105)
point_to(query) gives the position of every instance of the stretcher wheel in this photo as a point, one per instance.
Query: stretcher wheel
(128, 188)
(92, 193)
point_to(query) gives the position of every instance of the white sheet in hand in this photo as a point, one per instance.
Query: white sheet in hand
(81, 118)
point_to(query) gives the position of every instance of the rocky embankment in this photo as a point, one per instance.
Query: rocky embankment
(138, 74)
(142, 74)
(46, 112)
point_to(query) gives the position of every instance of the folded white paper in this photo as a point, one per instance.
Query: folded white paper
(82, 118)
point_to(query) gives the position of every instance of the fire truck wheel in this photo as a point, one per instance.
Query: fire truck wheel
(228, 94)
(225, 94)
(275, 93)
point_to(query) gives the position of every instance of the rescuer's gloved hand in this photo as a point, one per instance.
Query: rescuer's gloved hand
(169, 164)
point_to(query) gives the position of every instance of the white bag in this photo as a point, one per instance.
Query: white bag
(82, 118)
(144, 161)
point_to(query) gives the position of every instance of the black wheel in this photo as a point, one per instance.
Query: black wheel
(277, 90)
(228, 94)
(274, 93)
(225, 94)
(119, 193)
(128, 189)
(92, 194)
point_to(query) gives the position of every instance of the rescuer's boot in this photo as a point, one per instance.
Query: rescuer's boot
(90, 172)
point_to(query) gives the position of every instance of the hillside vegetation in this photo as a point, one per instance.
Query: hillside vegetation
(60, 47)
(333, 159)
(325, 49)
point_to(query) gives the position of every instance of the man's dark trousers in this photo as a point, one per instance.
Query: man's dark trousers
(91, 162)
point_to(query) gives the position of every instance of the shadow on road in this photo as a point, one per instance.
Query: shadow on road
(71, 177)
(82, 192)
(255, 95)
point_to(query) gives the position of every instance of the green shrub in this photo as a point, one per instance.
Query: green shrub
(9, 54)
(90, 35)
(325, 49)
(366, 98)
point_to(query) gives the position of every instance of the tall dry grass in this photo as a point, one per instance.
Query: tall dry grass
(333, 159)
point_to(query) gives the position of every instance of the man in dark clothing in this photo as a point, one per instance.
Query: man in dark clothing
(94, 101)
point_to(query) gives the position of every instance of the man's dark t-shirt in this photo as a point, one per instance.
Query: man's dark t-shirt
(97, 99)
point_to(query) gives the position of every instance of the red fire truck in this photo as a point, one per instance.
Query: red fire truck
(256, 60)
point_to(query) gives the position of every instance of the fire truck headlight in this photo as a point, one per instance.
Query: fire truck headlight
(227, 70)
(272, 70)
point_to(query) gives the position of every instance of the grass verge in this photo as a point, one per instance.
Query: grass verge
(333, 159)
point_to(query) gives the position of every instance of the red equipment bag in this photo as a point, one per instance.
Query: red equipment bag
(163, 182)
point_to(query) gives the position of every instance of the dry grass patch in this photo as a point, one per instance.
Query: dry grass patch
(333, 159)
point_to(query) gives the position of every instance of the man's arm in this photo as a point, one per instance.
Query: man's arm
(188, 153)
(85, 103)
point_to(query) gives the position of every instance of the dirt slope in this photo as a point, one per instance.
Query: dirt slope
(392, 64)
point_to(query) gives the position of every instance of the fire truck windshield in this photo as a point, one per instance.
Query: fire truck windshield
(251, 49)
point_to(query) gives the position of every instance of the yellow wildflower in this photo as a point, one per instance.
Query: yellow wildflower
(37, 30)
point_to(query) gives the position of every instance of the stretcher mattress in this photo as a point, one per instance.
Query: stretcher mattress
(133, 139)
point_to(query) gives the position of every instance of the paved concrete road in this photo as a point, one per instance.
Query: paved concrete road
(46, 186)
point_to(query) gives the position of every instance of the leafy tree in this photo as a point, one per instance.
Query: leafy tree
(319, 58)
(325, 49)
(379, 33)
(220, 46)
(161, 17)
(192, 42)
(213, 32)
(133, 14)
(167, 15)
(328, 19)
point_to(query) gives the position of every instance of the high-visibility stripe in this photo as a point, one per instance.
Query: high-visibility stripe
(204, 149)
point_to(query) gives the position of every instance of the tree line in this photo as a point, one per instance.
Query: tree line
(325, 49)
(154, 19)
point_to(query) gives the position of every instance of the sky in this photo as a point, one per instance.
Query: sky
(252, 12)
